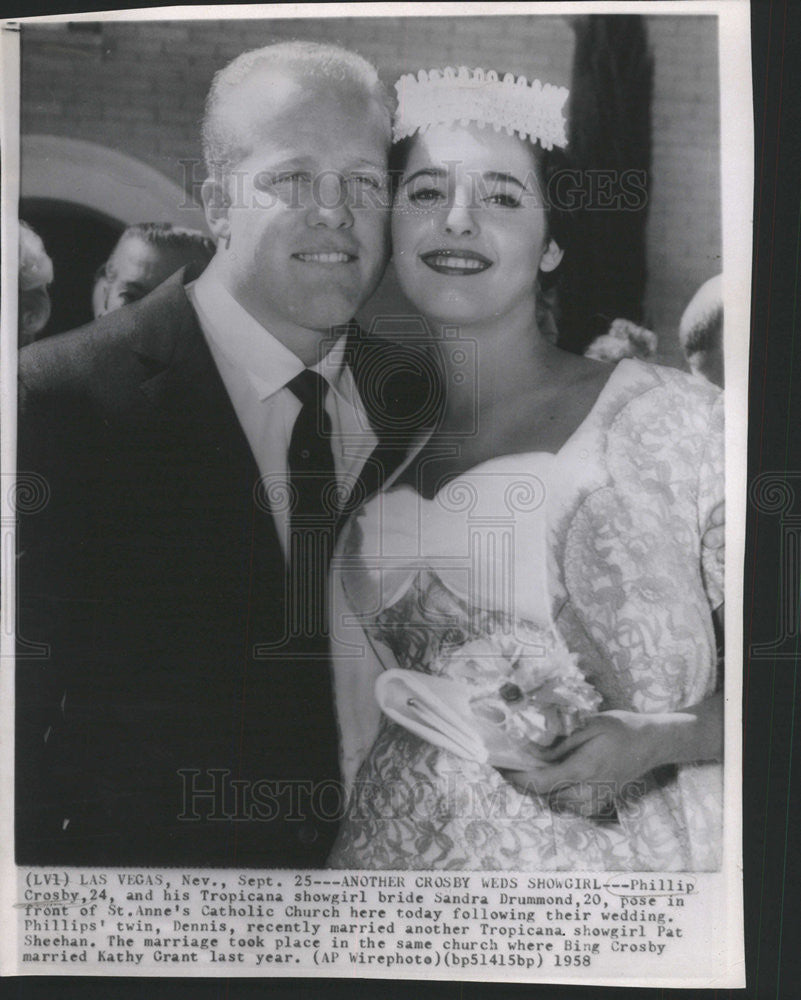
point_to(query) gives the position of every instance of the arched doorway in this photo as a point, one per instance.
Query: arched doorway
(78, 241)
(79, 196)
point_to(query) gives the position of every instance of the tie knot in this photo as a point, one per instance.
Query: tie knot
(310, 387)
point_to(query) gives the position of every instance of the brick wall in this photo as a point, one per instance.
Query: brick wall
(139, 88)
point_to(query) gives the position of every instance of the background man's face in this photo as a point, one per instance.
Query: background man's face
(134, 269)
(308, 206)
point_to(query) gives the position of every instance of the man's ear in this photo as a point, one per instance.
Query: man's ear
(551, 256)
(216, 205)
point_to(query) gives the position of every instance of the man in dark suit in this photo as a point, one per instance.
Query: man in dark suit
(183, 714)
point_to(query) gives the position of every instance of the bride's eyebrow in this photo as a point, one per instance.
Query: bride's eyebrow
(436, 173)
(495, 175)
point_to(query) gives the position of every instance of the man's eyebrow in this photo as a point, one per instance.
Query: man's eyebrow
(372, 164)
(287, 162)
(280, 165)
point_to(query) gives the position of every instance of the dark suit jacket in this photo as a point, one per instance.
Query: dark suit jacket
(152, 573)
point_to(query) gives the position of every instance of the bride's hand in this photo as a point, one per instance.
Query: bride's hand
(592, 767)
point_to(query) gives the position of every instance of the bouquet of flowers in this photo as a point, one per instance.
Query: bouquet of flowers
(497, 698)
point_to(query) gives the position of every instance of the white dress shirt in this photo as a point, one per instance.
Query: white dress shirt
(255, 368)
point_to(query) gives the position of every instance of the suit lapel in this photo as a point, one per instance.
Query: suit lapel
(181, 379)
(185, 390)
(396, 382)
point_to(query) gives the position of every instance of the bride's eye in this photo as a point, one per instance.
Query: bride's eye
(504, 199)
(425, 196)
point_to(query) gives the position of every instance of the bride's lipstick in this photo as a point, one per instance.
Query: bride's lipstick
(457, 263)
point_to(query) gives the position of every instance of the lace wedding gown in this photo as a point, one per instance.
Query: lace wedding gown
(601, 541)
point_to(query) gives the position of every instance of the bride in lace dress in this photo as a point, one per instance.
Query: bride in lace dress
(556, 493)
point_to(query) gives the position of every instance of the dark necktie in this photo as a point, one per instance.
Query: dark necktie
(315, 511)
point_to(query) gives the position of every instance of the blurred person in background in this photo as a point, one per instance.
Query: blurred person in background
(145, 255)
(35, 274)
(701, 331)
(623, 339)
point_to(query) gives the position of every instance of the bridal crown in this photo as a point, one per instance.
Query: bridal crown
(463, 96)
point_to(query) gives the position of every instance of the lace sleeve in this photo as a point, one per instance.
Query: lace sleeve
(711, 493)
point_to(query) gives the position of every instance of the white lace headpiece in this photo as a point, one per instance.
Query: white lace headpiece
(464, 96)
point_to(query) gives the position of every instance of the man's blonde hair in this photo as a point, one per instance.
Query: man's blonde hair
(224, 145)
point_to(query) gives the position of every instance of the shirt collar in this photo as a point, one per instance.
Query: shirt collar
(247, 345)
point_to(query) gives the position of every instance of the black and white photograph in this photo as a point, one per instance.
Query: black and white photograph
(380, 491)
